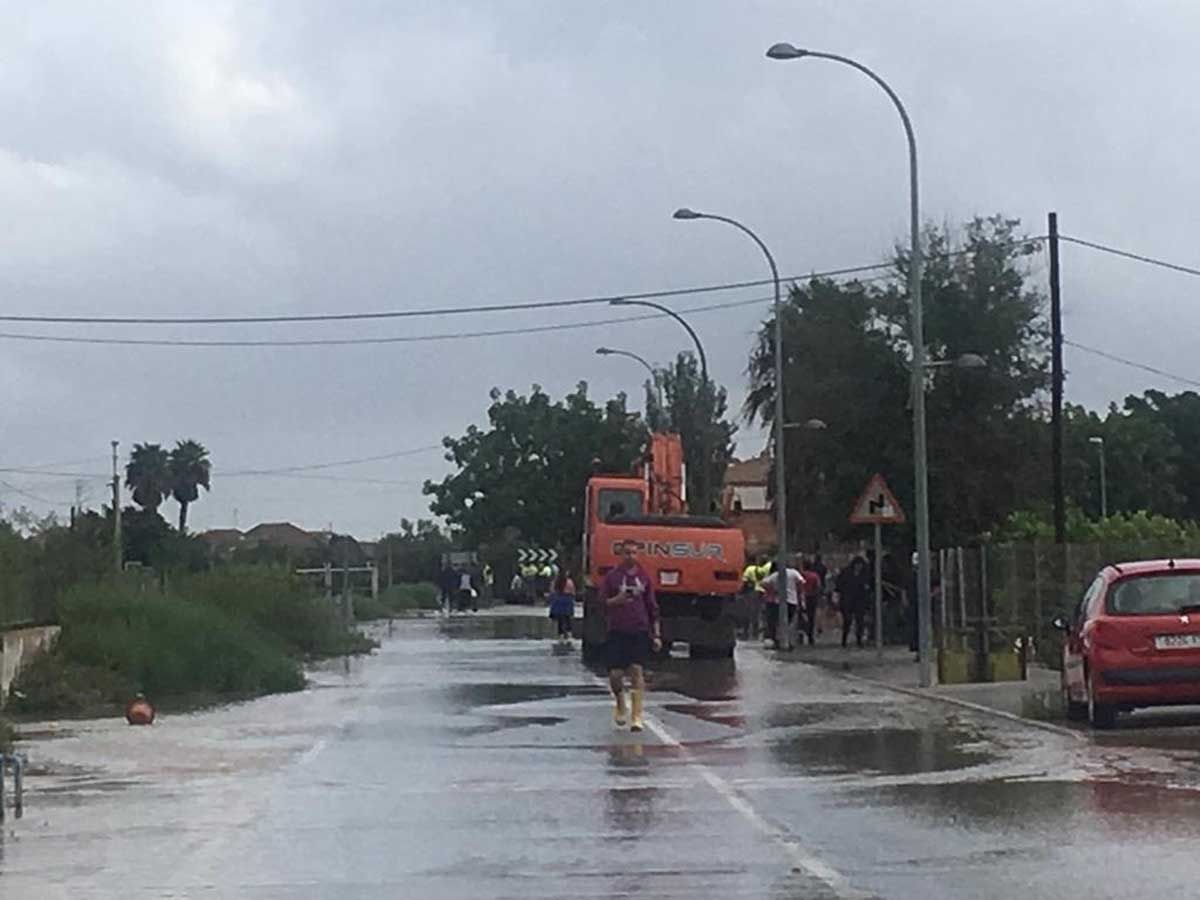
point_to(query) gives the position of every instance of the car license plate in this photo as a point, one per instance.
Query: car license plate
(1176, 641)
(668, 579)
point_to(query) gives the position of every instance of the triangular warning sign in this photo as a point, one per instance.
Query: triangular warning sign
(877, 505)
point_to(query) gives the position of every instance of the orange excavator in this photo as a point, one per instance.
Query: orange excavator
(695, 562)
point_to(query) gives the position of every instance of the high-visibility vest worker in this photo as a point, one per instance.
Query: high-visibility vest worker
(752, 577)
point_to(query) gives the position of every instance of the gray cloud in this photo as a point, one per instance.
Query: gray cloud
(220, 158)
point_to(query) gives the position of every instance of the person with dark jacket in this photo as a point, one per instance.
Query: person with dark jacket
(854, 589)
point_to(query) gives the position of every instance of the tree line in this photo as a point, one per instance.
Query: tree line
(847, 364)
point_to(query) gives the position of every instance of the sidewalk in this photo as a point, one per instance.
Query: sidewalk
(1037, 698)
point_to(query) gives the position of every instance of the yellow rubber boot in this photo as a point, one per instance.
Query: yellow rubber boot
(619, 710)
(636, 722)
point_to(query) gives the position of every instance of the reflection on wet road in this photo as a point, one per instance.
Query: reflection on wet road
(468, 760)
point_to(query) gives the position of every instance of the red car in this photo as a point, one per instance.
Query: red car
(1133, 641)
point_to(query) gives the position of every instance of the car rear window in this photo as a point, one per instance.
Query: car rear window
(1156, 594)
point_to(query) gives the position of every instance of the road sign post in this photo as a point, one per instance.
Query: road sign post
(878, 590)
(877, 506)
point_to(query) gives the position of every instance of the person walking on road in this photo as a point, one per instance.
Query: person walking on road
(562, 606)
(634, 628)
(853, 589)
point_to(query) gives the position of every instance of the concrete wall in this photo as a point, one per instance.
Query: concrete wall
(20, 645)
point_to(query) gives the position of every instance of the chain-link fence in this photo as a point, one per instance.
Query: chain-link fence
(1009, 593)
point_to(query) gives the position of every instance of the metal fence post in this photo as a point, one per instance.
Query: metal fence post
(962, 591)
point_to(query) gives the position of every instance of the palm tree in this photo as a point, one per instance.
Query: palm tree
(190, 471)
(148, 473)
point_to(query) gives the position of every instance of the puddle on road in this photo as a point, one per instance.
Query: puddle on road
(496, 724)
(706, 713)
(884, 751)
(469, 696)
(498, 628)
(1121, 807)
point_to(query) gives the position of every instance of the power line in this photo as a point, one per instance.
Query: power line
(284, 470)
(424, 313)
(341, 342)
(1133, 364)
(339, 478)
(29, 496)
(396, 339)
(1127, 254)
(466, 310)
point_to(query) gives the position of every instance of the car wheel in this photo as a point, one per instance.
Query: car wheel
(1100, 715)
(1075, 711)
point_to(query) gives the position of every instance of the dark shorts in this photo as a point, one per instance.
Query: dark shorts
(624, 649)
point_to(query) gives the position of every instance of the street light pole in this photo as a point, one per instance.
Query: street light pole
(780, 478)
(609, 351)
(920, 455)
(704, 451)
(1099, 442)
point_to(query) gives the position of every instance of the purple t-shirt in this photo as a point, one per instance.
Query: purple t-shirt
(641, 611)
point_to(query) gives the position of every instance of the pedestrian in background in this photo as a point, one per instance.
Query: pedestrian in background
(448, 582)
(810, 600)
(633, 630)
(794, 586)
(467, 596)
(853, 589)
(562, 606)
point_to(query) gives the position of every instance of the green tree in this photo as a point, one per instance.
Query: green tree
(696, 412)
(148, 475)
(1142, 460)
(841, 368)
(415, 550)
(529, 468)
(847, 364)
(1180, 413)
(190, 470)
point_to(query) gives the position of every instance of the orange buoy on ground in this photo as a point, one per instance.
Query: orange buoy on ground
(139, 711)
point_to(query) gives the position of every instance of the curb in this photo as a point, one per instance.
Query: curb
(967, 704)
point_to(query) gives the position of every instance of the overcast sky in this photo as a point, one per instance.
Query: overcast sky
(301, 157)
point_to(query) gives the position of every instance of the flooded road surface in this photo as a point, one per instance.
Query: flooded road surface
(466, 760)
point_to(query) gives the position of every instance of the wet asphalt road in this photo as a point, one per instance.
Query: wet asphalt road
(462, 760)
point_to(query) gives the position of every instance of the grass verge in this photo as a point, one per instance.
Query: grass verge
(408, 597)
(222, 635)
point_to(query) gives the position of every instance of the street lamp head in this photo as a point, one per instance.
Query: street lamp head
(970, 361)
(603, 351)
(815, 425)
(1097, 440)
(785, 51)
(684, 213)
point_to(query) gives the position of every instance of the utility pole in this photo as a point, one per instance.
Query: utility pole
(1056, 387)
(118, 555)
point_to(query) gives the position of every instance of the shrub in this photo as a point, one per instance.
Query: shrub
(411, 596)
(230, 632)
(367, 608)
(163, 644)
(278, 603)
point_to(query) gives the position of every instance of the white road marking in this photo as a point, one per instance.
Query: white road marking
(801, 858)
